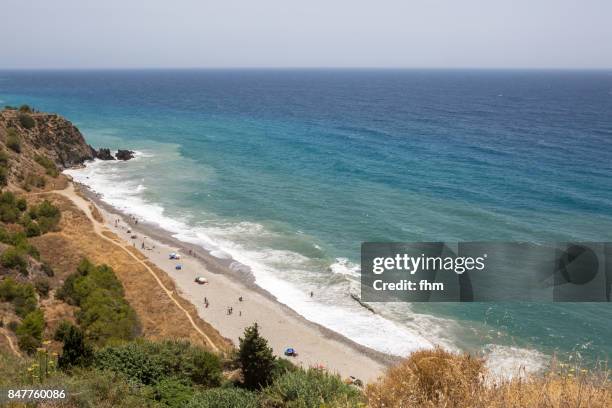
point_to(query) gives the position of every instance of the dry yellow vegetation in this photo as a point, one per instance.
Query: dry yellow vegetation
(437, 378)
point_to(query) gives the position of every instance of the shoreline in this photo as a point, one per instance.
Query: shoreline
(282, 326)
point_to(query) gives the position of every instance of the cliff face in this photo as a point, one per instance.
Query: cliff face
(36, 146)
(51, 135)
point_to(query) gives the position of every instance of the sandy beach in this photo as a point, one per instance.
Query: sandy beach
(315, 345)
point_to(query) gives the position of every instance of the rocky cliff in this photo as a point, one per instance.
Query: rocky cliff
(51, 134)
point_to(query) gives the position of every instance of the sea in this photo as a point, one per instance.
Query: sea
(287, 171)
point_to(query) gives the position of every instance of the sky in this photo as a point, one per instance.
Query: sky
(571, 34)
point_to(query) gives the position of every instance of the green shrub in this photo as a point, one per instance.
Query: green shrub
(33, 180)
(224, 398)
(12, 140)
(47, 216)
(9, 207)
(172, 392)
(21, 295)
(25, 109)
(256, 359)
(104, 314)
(13, 258)
(75, 351)
(4, 168)
(62, 330)
(42, 287)
(26, 120)
(3, 176)
(21, 204)
(48, 165)
(103, 389)
(32, 229)
(4, 158)
(30, 331)
(150, 362)
(21, 243)
(310, 388)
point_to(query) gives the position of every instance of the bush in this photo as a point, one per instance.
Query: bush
(21, 295)
(12, 140)
(21, 243)
(61, 330)
(104, 313)
(26, 120)
(256, 359)
(429, 377)
(21, 204)
(48, 165)
(172, 392)
(3, 176)
(75, 351)
(32, 229)
(13, 258)
(42, 287)
(33, 180)
(25, 109)
(30, 331)
(310, 389)
(149, 362)
(13, 325)
(224, 398)
(9, 209)
(4, 168)
(46, 215)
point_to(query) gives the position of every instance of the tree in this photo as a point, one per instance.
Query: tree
(75, 351)
(30, 331)
(256, 359)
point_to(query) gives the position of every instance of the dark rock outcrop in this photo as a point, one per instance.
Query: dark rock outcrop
(103, 154)
(124, 154)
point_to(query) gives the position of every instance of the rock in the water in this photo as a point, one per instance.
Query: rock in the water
(124, 154)
(104, 154)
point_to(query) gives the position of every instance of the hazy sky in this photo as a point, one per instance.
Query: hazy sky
(306, 33)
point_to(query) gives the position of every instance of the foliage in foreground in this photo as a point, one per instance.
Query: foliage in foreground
(436, 378)
(149, 362)
(310, 388)
(224, 398)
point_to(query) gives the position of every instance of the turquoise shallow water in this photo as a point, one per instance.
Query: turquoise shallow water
(289, 171)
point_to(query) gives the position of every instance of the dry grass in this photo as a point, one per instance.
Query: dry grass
(160, 318)
(437, 378)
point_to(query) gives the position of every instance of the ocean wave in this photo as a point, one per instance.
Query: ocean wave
(505, 362)
(343, 266)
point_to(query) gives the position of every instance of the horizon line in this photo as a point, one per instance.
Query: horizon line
(319, 68)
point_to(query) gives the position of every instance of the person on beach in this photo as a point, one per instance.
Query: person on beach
(311, 293)
(240, 299)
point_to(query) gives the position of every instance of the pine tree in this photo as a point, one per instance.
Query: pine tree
(256, 359)
(75, 351)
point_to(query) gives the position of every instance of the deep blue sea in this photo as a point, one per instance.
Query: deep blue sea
(288, 171)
